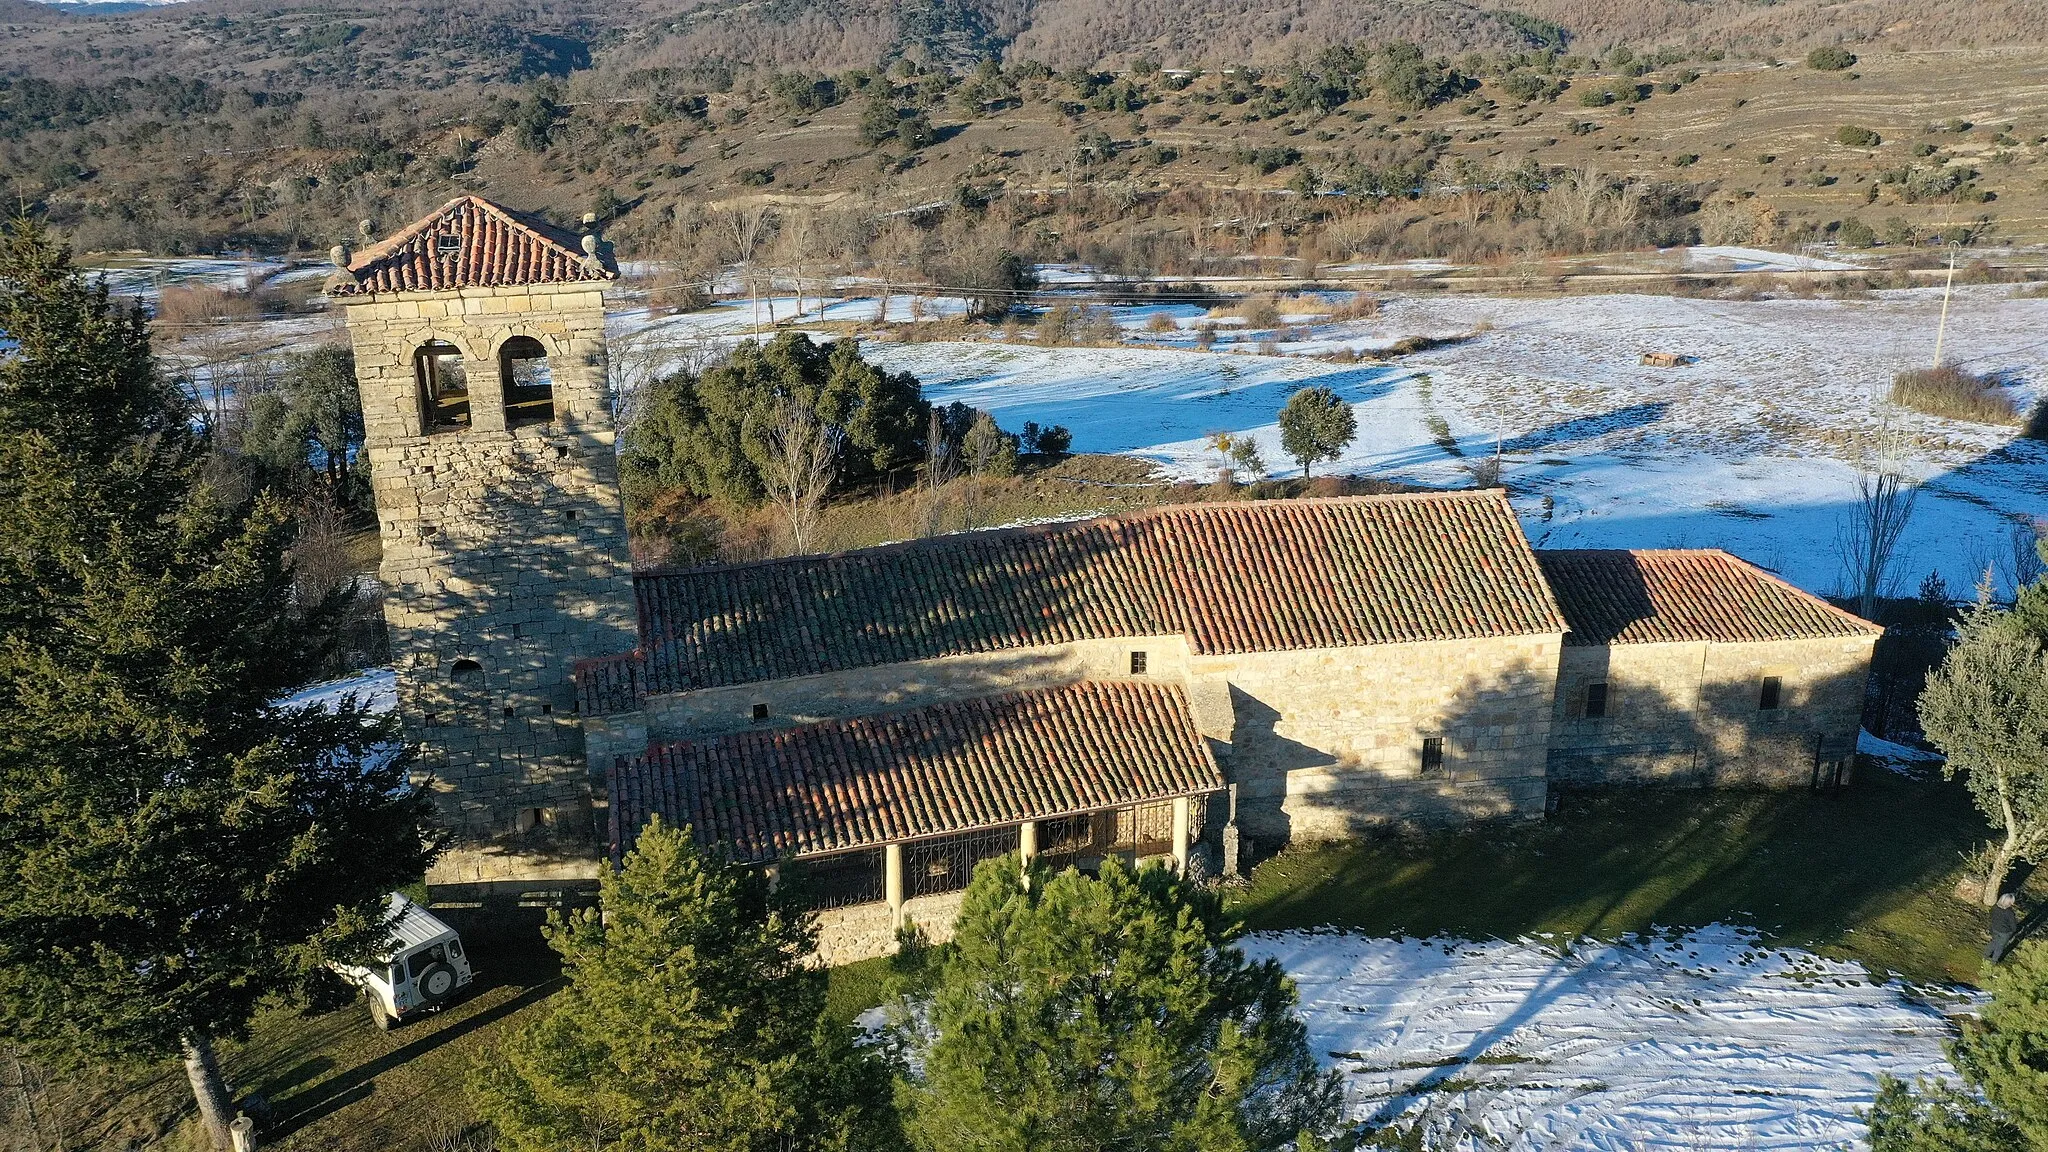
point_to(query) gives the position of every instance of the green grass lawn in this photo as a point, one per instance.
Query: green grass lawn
(1867, 875)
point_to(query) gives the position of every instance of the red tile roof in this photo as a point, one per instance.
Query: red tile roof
(1236, 577)
(470, 242)
(1652, 597)
(950, 767)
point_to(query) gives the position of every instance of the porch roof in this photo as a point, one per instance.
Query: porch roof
(951, 767)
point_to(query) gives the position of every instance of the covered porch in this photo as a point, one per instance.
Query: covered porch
(880, 820)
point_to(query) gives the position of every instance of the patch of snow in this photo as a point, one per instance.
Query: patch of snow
(1710, 1040)
(1730, 258)
(1899, 758)
(375, 687)
(1748, 449)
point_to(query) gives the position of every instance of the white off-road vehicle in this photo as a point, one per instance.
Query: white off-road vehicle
(425, 970)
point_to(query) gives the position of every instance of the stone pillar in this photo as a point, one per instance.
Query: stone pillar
(1181, 821)
(774, 874)
(892, 882)
(1027, 841)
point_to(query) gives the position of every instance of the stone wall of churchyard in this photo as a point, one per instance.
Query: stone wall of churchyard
(1691, 713)
(504, 562)
(1329, 743)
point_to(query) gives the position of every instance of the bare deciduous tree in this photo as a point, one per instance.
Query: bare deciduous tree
(799, 462)
(743, 230)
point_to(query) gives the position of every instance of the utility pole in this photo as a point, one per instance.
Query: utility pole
(1941, 333)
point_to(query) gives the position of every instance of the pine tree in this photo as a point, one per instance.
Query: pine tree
(690, 1022)
(2002, 1105)
(1316, 425)
(174, 848)
(1080, 1014)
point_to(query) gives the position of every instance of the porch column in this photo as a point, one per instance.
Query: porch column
(1027, 847)
(1181, 820)
(892, 882)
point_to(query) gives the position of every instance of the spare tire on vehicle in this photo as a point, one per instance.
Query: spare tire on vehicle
(436, 984)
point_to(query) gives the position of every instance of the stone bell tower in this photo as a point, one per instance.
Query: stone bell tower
(480, 355)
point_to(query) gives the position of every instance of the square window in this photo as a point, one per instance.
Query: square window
(760, 711)
(1773, 695)
(1432, 753)
(1137, 663)
(547, 709)
(1596, 701)
(508, 710)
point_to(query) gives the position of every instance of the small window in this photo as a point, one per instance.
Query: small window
(430, 719)
(448, 244)
(1137, 663)
(1773, 695)
(1432, 753)
(529, 385)
(443, 387)
(530, 819)
(1596, 701)
(509, 711)
(760, 711)
(467, 672)
(547, 709)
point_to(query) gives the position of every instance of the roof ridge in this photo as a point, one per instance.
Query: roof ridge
(1057, 527)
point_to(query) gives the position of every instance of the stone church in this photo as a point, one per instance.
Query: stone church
(1189, 683)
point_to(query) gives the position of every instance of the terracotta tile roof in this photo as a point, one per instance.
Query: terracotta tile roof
(951, 767)
(470, 242)
(1651, 597)
(1236, 577)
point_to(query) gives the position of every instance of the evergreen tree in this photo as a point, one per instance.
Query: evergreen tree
(1077, 1014)
(711, 433)
(2002, 1105)
(174, 848)
(312, 416)
(690, 1023)
(1986, 708)
(1316, 425)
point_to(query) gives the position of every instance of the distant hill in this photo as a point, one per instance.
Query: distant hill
(27, 12)
(405, 44)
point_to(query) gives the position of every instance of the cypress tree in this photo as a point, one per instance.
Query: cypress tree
(175, 849)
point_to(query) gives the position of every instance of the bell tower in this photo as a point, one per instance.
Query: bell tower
(480, 355)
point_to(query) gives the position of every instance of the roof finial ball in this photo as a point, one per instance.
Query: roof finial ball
(339, 255)
(590, 257)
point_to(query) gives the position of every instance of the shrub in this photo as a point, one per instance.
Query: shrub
(1856, 234)
(1830, 59)
(1851, 136)
(1954, 394)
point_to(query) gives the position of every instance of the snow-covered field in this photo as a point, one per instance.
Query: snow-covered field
(1751, 448)
(1704, 1041)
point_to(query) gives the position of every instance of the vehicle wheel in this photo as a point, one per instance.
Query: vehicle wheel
(378, 1016)
(436, 984)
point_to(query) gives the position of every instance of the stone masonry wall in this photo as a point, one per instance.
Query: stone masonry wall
(1329, 742)
(1321, 743)
(1689, 713)
(860, 691)
(502, 547)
